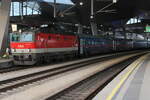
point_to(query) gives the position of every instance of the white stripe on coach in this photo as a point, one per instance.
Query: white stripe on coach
(44, 50)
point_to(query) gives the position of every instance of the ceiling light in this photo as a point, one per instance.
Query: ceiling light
(81, 3)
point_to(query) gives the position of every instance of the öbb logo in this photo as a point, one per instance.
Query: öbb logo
(20, 46)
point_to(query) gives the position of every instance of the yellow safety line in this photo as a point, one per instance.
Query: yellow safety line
(134, 66)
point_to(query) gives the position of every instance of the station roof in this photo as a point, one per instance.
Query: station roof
(47, 13)
(117, 13)
(122, 10)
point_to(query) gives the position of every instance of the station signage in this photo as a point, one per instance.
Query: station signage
(147, 28)
(14, 27)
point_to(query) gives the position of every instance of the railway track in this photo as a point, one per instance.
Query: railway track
(88, 88)
(9, 85)
(16, 73)
(18, 68)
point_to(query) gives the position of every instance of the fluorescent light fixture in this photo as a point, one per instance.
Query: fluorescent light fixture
(114, 1)
(81, 3)
(91, 17)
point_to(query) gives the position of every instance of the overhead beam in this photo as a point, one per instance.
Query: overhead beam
(4, 24)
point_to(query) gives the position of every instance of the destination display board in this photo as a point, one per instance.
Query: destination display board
(147, 28)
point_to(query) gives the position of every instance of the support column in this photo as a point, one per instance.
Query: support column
(94, 28)
(93, 23)
(124, 32)
(133, 39)
(80, 29)
(146, 38)
(114, 39)
(114, 33)
(4, 24)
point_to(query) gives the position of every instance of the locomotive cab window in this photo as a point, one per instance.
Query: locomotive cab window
(26, 37)
(22, 37)
(15, 37)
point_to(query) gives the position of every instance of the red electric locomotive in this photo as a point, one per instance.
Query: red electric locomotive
(30, 47)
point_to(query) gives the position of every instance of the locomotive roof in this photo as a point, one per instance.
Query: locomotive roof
(55, 30)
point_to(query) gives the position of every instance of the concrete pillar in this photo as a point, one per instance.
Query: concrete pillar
(4, 24)
(124, 32)
(114, 33)
(80, 29)
(94, 28)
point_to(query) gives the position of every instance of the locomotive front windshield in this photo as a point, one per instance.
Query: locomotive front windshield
(26, 37)
(22, 37)
(15, 37)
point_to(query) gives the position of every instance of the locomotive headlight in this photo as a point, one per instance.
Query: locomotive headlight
(13, 50)
(76, 45)
(29, 50)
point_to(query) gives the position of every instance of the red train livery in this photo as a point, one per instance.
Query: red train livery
(27, 45)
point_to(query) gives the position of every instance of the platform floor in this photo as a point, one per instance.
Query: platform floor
(6, 62)
(131, 84)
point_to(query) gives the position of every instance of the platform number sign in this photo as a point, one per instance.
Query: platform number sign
(147, 28)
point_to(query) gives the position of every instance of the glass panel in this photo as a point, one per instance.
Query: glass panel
(61, 1)
(15, 37)
(14, 9)
(23, 37)
(29, 8)
(26, 37)
(33, 5)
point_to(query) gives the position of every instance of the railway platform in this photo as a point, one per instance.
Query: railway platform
(131, 84)
(6, 62)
